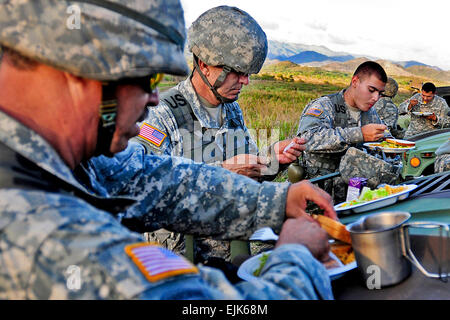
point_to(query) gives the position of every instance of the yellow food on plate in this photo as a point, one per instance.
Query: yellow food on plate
(344, 252)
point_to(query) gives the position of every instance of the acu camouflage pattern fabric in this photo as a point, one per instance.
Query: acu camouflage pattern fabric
(357, 163)
(162, 117)
(420, 124)
(126, 45)
(178, 143)
(388, 113)
(330, 127)
(442, 162)
(228, 36)
(44, 233)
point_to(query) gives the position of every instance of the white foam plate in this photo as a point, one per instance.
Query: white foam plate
(422, 114)
(378, 203)
(374, 146)
(245, 271)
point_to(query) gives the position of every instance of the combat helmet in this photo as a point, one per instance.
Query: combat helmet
(391, 88)
(100, 40)
(229, 37)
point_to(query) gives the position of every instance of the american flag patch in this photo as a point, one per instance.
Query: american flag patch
(314, 112)
(152, 134)
(157, 263)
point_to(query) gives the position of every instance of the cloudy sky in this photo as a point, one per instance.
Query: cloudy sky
(396, 30)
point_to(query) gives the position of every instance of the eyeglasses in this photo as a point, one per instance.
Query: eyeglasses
(108, 106)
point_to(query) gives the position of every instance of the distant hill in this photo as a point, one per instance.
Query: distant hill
(351, 65)
(424, 71)
(282, 50)
(313, 56)
(321, 56)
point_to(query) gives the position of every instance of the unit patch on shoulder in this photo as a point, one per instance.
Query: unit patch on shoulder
(158, 263)
(314, 112)
(151, 134)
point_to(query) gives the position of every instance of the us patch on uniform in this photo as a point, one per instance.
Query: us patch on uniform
(152, 134)
(158, 263)
(313, 112)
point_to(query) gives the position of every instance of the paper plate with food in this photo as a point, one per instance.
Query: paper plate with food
(341, 254)
(374, 199)
(342, 258)
(392, 145)
(422, 114)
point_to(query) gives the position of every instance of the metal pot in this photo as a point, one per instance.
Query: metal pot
(381, 245)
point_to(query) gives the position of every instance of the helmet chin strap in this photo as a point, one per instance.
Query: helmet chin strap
(106, 127)
(220, 80)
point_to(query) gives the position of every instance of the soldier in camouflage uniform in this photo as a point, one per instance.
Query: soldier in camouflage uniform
(64, 215)
(333, 123)
(426, 101)
(200, 118)
(442, 162)
(386, 108)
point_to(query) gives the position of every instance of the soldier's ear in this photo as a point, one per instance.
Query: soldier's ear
(204, 68)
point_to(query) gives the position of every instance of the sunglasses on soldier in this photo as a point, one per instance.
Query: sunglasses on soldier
(148, 84)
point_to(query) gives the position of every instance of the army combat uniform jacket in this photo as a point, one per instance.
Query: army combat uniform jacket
(442, 162)
(191, 132)
(388, 112)
(330, 127)
(188, 130)
(63, 234)
(420, 124)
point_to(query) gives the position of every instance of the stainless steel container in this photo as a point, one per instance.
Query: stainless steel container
(381, 243)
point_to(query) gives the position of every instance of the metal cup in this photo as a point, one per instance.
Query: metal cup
(381, 244)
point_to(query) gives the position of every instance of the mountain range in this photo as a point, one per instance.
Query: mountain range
(321, 56)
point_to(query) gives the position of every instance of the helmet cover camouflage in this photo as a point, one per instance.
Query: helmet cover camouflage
(357, 163)
(391, 88)
(228, 36)
(113, 39)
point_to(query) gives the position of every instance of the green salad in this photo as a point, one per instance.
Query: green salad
(262, 262)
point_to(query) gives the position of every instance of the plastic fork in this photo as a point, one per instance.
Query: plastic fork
(264, 234)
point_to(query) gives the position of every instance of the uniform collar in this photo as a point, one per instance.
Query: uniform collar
(187, 90)
(33, 147)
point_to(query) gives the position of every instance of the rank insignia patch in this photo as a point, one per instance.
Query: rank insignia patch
(157, 263)
(314, 112)
(152, 134)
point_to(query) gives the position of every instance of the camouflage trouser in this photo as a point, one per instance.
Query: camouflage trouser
(204, 248)
(336, 187)
(442, 163)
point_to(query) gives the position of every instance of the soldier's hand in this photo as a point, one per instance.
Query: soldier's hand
(301, 192)
(248, 165)
(294, 148)
(305, 231)
(373, 131)
(412, 103)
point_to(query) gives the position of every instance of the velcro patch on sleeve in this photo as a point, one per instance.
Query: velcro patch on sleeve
(152, 134)
(314, 112)
(157, 263)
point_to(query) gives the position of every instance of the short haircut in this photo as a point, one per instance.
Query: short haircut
(17, 60)
(366, 69)
(427, 87)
